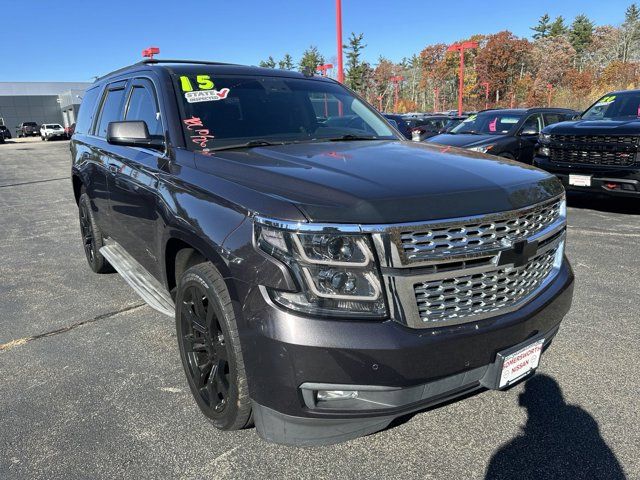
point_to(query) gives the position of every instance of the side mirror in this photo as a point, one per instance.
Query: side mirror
(394, 123)
(132, 134)
(529, 132)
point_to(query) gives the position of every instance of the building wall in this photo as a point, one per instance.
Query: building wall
(26, 108)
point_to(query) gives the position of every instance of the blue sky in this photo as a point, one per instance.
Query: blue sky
(74, 40)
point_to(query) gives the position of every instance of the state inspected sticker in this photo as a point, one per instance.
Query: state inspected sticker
(520, 363)
(206, 95)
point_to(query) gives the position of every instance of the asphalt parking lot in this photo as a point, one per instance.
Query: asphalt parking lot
(91, 384)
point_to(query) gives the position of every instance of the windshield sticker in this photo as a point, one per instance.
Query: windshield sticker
(471, 118)
(204, 83)
(606, 101)
(200, 136)
(206, 95)
(492, 124)
(509, 120)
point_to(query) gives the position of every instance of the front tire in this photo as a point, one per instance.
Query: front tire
(210, 348)
(92, 239)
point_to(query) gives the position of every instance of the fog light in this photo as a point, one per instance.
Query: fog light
(544, 152)
(328, 395)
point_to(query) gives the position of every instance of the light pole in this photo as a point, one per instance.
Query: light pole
(339, 39)
(486, 94)
(436, 99)
(549, 90)
(461, 47)
(323, 71)
(380, 97)
(396, 83)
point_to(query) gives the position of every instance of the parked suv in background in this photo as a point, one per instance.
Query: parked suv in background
(49, 131)
(5, 133)
(324, 279)
(599, 151)
(28, 129)
(511, 133)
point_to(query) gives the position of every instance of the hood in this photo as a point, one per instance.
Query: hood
(464, 140)
(621, 126)
(372, 182)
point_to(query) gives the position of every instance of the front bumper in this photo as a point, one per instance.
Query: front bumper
(285, 354)
(626, 180)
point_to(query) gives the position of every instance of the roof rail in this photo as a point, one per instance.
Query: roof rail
(150, 61)
(198, 62)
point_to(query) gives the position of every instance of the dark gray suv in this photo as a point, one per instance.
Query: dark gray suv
(325, 277)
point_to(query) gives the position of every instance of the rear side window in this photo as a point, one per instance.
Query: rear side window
(143, 106)
(551, 118)
(87, 110)
(111, 110)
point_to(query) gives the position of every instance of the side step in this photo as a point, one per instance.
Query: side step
(139, 278)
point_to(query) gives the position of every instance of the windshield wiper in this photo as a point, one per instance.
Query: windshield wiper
(250, 144)
(350, 137)
(470, 132)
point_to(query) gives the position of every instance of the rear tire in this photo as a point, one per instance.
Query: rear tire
(92, 239)
(210, 348)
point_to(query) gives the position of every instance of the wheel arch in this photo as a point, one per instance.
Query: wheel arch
(182, 251)
(77, 186)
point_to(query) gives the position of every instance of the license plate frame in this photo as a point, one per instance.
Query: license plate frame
(515, 366)
(576, 180)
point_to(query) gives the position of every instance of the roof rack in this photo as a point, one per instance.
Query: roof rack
(149, 61)
(198, 62)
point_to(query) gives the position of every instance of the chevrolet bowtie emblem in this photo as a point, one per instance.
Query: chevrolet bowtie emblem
(520, 254)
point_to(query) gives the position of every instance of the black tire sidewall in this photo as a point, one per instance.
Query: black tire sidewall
(229, 418)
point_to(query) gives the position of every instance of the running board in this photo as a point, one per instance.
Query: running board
(139, 278)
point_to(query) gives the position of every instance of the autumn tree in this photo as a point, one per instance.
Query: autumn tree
(542, 29)
(356, 76)
(311, 58)
(286, 63)
(502, 61)
(268, 63)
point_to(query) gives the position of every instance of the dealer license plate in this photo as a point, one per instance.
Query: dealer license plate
(580, 180)
(518, 364)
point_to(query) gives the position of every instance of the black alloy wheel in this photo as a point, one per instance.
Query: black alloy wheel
(92, 240)
(210, 348)
(86, 230)
(205, 349)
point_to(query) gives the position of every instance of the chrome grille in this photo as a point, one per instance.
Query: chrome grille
(437, 240)
(467, 296)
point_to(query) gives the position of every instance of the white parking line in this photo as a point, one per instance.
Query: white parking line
(603, 233)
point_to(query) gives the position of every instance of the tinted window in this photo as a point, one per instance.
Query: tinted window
(623, 105)
(111, 111)
(491, 122)
(87, 110)
(143, 106)
(550, 118)
(220, 111)
(534, 122)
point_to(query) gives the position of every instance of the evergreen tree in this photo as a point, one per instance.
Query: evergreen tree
(542, 29)
(557, 28)
(580, 34)
(356, 68)
(311, 58)
(286, 63)
(630, 31)
(269, 63)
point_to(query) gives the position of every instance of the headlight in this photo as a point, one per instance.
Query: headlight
(544, 138)
(336, 272)
(481, 149)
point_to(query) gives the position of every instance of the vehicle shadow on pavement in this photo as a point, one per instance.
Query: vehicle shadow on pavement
(559, 441)
(603, 203)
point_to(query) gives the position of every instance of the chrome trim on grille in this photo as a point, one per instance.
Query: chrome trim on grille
(400, 275)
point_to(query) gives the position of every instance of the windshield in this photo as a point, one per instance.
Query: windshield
(222, 111)
(53, 126)
(30, 124)
(488, 123)
(624, 105)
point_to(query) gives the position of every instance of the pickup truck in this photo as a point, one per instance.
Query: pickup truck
(325, 278)
(599, 152)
